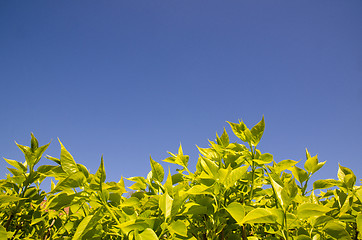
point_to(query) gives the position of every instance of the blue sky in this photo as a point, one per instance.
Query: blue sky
(130, 79)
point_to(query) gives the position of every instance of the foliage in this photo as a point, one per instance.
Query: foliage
(236, 192)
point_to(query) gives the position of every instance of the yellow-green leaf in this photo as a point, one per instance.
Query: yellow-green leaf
(306, 210)
(237, 211)
(259, 215)
(67, 161)
(257, 132)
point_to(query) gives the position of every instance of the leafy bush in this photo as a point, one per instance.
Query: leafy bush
(236, 192)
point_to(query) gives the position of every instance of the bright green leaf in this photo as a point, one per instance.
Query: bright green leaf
(237, 211)
(179, 227)
(85, 225)
(9, 198)
(157, 170)
(257, 132)
(72, 181)
(306, 210)
(197, 189)
(259, 215)
(300, 174)
(165, 204)
(326, 183)
(223, 140)
(100, 175)
(148, 234)
(67, 161)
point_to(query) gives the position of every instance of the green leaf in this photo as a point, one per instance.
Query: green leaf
(100, 175)
(300, 174)
(179, 227)
(67, 161)
(241, 131)
(148, 234)
(311, 164)
(34, 142)
(27, 153)
(165, 204)
(73, 181)
(359, 223)
(223, 140)
(358, 193)
(336, 231)
(39, 152)
(259, 215)
(235, 175)
(3, 233)
(347, 176)
(322, 220)
(265, 158)
(168, 184)
(60, 201)
(157, 170)
(133, 225)
(86, 225)
(306, 210)
(257, 132)
(210, 167)
(326, 183)
(285, 165)
(141, 183)
(302, 237)
(197, 189)
(56, 160)
(9, 198)
(237, 211)
(16, 164)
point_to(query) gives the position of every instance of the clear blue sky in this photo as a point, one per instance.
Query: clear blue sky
(130, 79)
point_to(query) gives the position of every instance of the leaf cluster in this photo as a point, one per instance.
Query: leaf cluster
(237, 193)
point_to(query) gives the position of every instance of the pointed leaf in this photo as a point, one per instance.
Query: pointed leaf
(67, 161)
(165, 204)
(72, 181)
(9, 198)
(86, 225)
(300, 174)
(16, 164)
(326, 183)
(259, 215)
(100, 175)
(306, 210)
(311, 164)
(157, 170)
(257, 132)
(223, 140)
(237, 211)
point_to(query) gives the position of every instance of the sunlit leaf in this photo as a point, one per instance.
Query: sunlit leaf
(157, 170)
(259, 215)
(67, 161)
(179, 227)
(237, 211)
(166, 204)
(257, 132)
(148, 234)
(306, 210)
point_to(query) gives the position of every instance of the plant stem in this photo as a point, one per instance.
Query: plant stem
(111, 212)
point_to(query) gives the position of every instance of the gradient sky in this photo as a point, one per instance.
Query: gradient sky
(130, 79)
